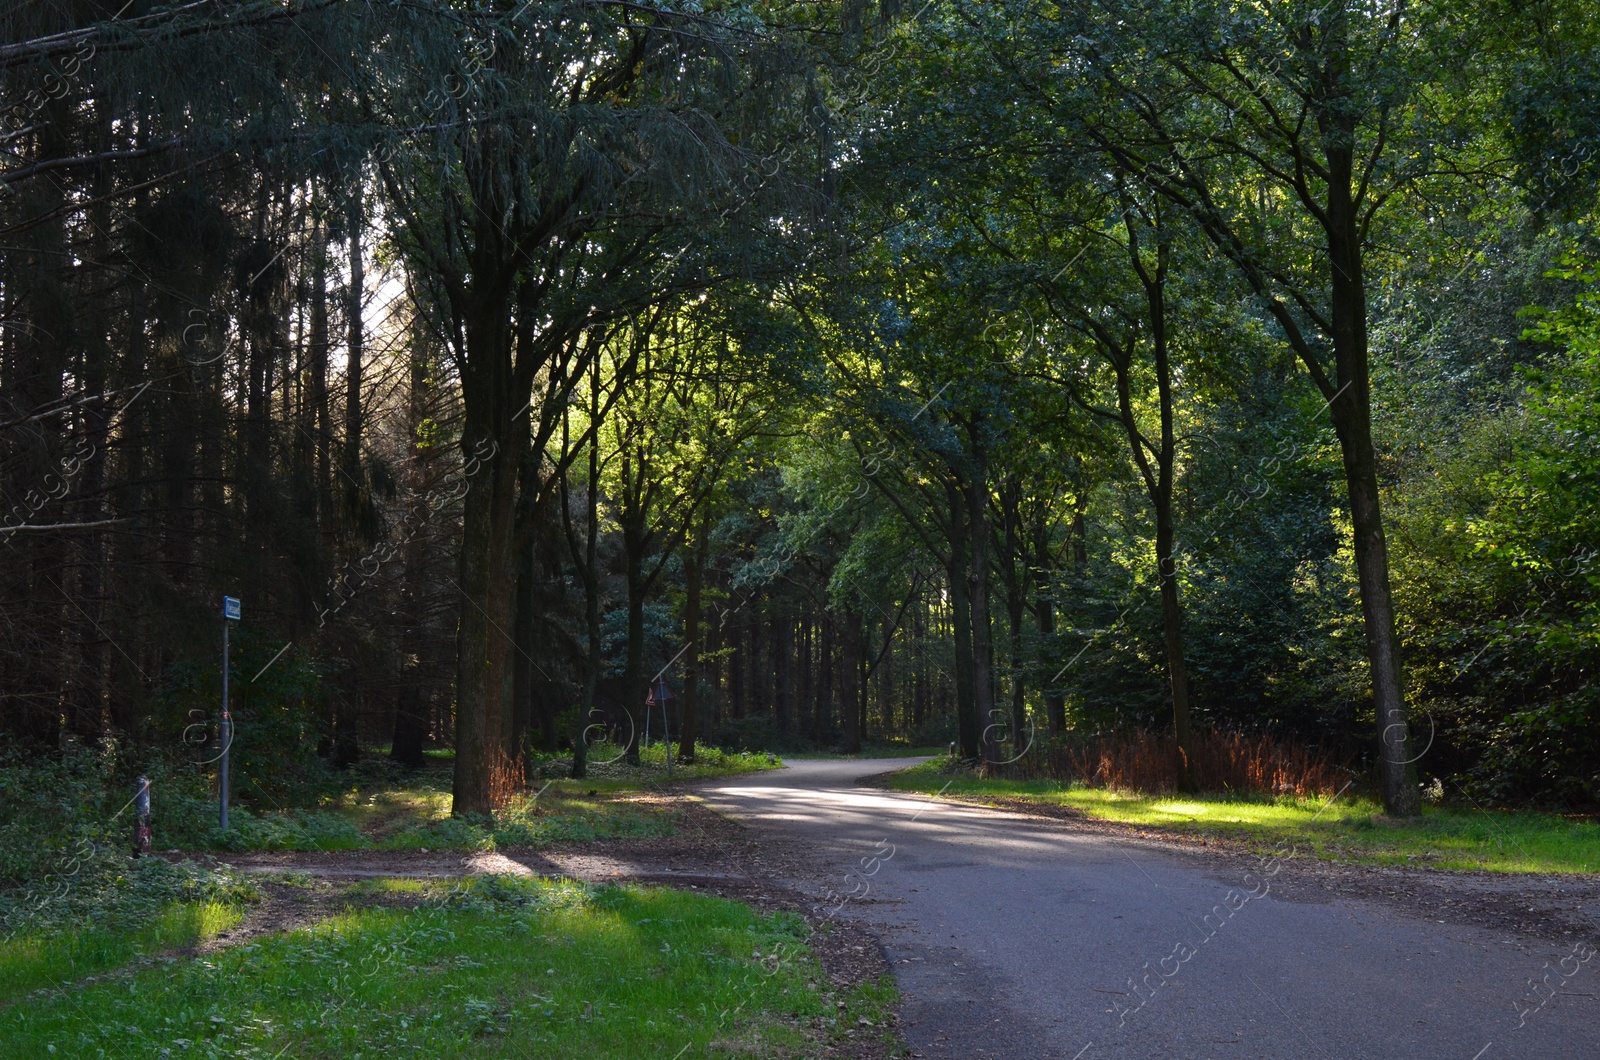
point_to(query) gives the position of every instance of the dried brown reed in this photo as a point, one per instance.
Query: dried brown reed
(507, 778)
(1148, 762)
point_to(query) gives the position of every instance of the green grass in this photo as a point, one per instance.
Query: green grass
(32, 961)
(497, 967)
(1344, 829)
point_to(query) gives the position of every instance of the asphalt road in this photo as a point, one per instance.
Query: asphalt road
(1014, 937)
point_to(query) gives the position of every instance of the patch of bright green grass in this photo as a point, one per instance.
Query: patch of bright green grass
(497, 967)
(31, 961)
(384, 885)
(536, 822)
(1346, 828)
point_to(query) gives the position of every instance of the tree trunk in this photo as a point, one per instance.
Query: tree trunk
(734, 648)
(1055, 704)
(693, 572)
(525, 633)
(969, 722)
(483, 775)
(850, 690)
(782, 672)
(1172, 635)
(634, 691)
(886, 681)
(1351, 410)
(977, 496)
(822, 710)
(760, 698)
(804, 696)
(1352, 421)
(1016, 599)
(591, 586)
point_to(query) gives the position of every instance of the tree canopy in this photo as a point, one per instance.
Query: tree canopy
(994, 374)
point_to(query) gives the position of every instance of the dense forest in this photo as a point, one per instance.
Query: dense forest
(1004, 375)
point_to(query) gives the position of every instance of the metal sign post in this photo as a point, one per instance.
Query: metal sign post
(661, 694)
(230, 613)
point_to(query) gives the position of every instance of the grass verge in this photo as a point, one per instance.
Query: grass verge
(493, 967)
(1348, 828)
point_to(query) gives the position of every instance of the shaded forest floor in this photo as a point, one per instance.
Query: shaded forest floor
(379, 806)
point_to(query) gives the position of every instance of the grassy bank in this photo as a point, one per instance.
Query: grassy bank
(1345, 828)
(487, 968)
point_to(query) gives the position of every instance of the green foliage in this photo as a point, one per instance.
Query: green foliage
(66, 848)
(1500, 573)
(283, 831)
(277, 719)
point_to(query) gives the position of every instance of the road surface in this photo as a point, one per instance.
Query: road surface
(1012, 936)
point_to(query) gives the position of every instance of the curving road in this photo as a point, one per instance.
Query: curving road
(1013, 937)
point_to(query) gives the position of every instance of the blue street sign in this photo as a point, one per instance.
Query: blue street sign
(230, 607)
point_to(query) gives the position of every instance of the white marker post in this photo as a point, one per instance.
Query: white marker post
(230, 613)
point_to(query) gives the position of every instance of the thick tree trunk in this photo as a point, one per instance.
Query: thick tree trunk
(484, 773)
